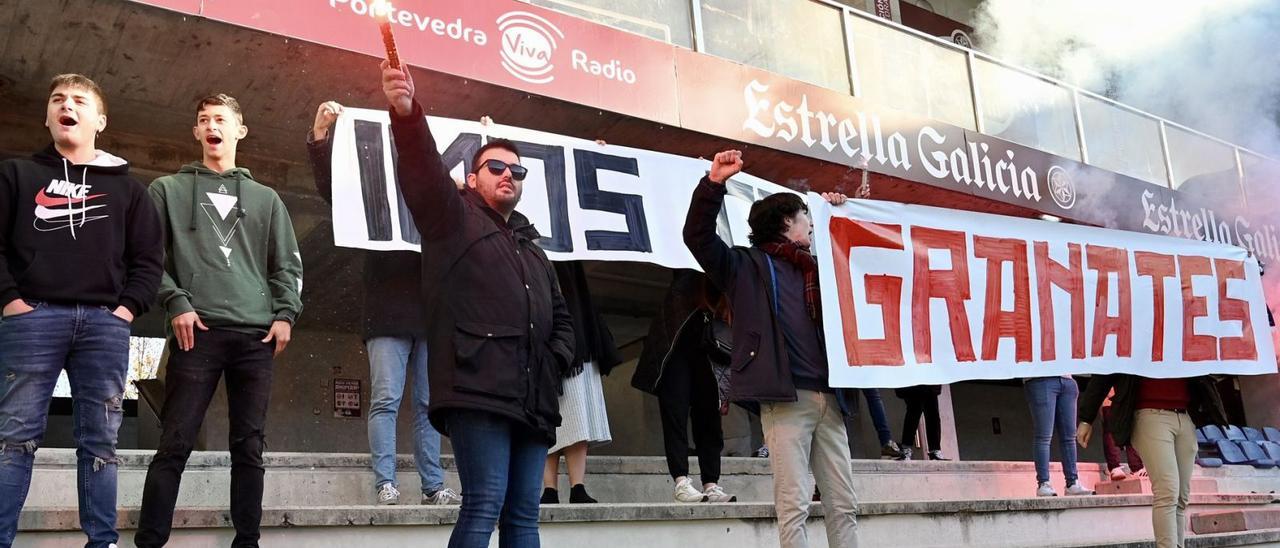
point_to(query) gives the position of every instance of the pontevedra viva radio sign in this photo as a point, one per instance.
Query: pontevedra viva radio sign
(503, 42)
(920, 295)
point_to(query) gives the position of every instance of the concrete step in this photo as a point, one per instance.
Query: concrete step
(1262, 538)
(311, 479)
(1023, 523)
(1241, 519)
(1142, 486)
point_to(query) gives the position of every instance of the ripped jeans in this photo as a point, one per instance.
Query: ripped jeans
(191, 377)
(92, 345)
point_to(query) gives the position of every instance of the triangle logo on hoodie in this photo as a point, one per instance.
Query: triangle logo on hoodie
(220, 210)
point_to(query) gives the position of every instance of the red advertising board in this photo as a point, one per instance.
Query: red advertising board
(498, 41)
(185, 6)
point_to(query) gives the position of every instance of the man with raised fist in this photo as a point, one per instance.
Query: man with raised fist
(499, 336)
(778, 358)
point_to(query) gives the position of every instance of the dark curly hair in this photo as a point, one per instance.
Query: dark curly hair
(768, 217)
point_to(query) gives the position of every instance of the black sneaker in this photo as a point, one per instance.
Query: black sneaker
(906, 454)
(891, 451)
(762, 452)
(936, 455)
(550, 496)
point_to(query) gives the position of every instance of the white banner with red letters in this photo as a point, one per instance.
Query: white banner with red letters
(920, 295)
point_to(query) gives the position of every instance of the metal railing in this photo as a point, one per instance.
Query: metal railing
(937, 79)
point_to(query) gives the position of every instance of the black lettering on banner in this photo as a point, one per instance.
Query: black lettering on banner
(373, 179)
(459, 151)
(408, 229)
(552, 157)
(741, 191)
(631, 206)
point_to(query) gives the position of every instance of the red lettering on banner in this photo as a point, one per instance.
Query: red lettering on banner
(1195, 348)
(1106, 260)
(951, 285)
(883, 290)
(1159, 267)
(997, 323)
(1229, 309)
(1071, 279)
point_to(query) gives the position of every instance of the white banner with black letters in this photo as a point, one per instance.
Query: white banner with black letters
(589, 201)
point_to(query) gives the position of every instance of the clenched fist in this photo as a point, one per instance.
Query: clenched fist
(326, 115)
(725, 165)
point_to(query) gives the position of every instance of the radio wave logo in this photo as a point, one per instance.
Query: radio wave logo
(528, 43)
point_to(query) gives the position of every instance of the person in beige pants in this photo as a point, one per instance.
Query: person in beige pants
(778, 357)
(809, 435)
(1159, 418)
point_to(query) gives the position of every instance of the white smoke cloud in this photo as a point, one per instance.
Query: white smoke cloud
(1211, 65)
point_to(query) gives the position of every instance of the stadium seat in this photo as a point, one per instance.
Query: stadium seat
(1256, 454)
(1202, 441)
(1234, 433)
(1272, 433)
(1272, 448)
(1232, 453)
(1209, 462)
(1213, 433)
(1253, 434)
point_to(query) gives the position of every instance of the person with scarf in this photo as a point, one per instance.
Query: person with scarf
(778, 356)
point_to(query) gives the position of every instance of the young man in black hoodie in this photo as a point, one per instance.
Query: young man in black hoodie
(81, 257)
(498, 330)
(395, 337)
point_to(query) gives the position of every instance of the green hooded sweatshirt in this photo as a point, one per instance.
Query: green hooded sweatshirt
(230, 252)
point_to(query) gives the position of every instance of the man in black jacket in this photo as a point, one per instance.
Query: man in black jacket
(499, 335)
(81, 252)
(395, 339)
(778, 357)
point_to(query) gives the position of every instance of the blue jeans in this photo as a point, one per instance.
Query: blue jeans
(1053, 402)
(92, 345)
(392, 360)
(875, 407)
(500, 466)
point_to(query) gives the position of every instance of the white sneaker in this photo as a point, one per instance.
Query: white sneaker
(388, 494)
(1118, 474)
(443, 497)
(685, 492)
(1075, 489)
(1045, 490)
(716, 494)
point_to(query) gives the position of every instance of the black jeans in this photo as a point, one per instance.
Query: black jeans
(690, 388)
(922, 402)
(190, 382)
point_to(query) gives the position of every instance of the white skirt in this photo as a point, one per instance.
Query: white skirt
(582, 411)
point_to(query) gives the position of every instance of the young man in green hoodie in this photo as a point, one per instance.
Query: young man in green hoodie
(232, 289)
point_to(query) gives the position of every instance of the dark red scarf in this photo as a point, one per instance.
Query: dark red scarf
(800, 257)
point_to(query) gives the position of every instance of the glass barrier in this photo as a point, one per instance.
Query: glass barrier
(1200, 164)
(911, 74)
(1261, 178)
(1123, 141)
(666, 20)
(1027, 110)
(796, 38)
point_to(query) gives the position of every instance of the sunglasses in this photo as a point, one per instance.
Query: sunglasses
(496, 167)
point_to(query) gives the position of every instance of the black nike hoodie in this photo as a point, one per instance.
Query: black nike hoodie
(77, 233)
